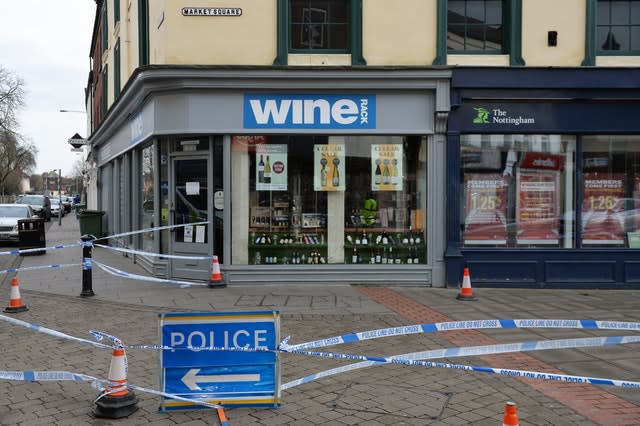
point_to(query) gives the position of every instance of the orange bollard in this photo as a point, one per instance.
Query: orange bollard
(466, 293)
(510, 415)
(15, 302)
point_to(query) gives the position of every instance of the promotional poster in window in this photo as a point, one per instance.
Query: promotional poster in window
(386, 167)
(486, 209)
(328, 165)
(603, 209)
(271, 167)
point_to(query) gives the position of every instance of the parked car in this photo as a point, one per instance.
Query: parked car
(9, 216)
(67, 202)
(40, 204)
(56, 207)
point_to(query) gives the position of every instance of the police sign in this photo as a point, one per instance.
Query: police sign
(221, 358)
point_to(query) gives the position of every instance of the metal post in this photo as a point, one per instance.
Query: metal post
(87, 290)
(59, 199)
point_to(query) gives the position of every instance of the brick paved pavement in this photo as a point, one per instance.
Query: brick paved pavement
(382, 395)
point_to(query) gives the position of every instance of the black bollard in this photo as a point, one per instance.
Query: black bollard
(87, 290)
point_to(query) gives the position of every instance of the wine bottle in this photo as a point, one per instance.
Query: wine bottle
(335, 178)
(267, 171)
(364, 239)
(386, 179)
(415, 257)
(354, 256)
(323, 175)
(261, 170)
(377, 178)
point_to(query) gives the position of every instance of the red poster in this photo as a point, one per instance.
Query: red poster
(538, 207)
(603, 209)
(485, 208)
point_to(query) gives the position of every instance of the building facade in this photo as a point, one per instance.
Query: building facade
(334, 141)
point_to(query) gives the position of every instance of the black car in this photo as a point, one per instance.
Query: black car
(40, 204)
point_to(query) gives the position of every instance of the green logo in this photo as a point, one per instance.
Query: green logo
(482, 117)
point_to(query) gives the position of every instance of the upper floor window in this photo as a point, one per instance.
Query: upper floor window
(319, 25)
(475, 26)
(618, 27)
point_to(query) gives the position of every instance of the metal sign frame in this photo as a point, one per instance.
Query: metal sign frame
(202, 370)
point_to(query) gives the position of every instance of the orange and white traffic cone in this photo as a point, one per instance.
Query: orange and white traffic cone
(15, 304)
(466, 293)
(216, 279)
(510, 415)
(118, 400)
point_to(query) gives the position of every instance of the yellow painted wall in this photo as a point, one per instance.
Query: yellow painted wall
(479, 60)
(618, 61)
(399, 32)
(568, 18)
(249, 39)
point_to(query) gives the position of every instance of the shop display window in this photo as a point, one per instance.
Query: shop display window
(146, 197)
(611, 191)
(517, 191)
(328, 200)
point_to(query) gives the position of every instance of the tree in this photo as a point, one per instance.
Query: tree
(11, 100)
(17, 160)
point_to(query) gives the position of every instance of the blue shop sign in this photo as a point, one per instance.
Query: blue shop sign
(309, 111)
(201, 370)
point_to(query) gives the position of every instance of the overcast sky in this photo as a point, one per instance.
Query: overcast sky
(46, 43)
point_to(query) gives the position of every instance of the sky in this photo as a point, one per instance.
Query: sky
(46, 44)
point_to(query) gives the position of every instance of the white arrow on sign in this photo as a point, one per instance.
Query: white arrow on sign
(191, 379)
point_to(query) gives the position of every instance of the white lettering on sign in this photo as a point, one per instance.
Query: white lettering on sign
(197, 341)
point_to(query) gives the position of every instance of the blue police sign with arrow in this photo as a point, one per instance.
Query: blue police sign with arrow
(222, 358)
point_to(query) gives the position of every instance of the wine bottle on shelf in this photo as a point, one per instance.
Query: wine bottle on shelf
(385, 238)
(354, 256)
(263, 239)
(410, 257)
(415, 257)
(390, 259)
(384, 256)
(417, 238)
(349, 239)
(364, 241)
(378, 256)
(411, 239)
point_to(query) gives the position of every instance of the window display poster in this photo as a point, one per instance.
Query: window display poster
(328, 167)
(386, 167)
(603, 209)
(485, 209)
(271, 167)
(538, 207)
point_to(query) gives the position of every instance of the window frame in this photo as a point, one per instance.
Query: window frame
(116, 12)
(105, 28)
(597, 25)
(116, 69)
(284, 35)
(512, 34)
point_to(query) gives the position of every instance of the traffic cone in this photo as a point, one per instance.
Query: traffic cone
(15, 304)
(466, 293)
(216, 279)
(118, 401)
(510, 415)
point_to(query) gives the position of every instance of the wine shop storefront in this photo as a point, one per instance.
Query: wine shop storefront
(544, 182)
(287, 175)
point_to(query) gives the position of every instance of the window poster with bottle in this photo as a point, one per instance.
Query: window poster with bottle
(329, 172)
(271, 167)
(386, 167)
(603, 215)
(486, 209)
(538, 207)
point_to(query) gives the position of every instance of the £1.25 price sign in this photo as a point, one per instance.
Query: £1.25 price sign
(226, 358)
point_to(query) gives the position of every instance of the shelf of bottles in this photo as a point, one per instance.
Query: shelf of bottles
(273, 248)
(382, 247)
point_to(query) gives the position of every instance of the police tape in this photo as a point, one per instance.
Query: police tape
(119, 273)
(151, 254)
(39, 249)
(465, 325)
(35, 268)
(157, 228)
(417, 358)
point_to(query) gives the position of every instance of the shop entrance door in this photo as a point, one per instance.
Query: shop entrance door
(189, 204)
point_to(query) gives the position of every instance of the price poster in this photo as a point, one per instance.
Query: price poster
(538, 207)
(386, 167)
(602, 215)
(328, 167)
(485, 208)
(271, 167)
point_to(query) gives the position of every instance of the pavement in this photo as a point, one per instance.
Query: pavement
(380, 395)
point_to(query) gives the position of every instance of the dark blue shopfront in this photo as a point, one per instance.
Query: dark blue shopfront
(543, 182)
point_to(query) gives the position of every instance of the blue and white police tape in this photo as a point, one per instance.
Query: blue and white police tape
(55, 333)
(150, 254)
(466, 325)
(158, 228)
(34, 250)
(34, 268)
(117, 272)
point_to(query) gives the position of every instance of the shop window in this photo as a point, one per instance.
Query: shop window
(475, 26)
(618, 27)
(517, 191)
(329, 200)
(611, 191)
(147, 188)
